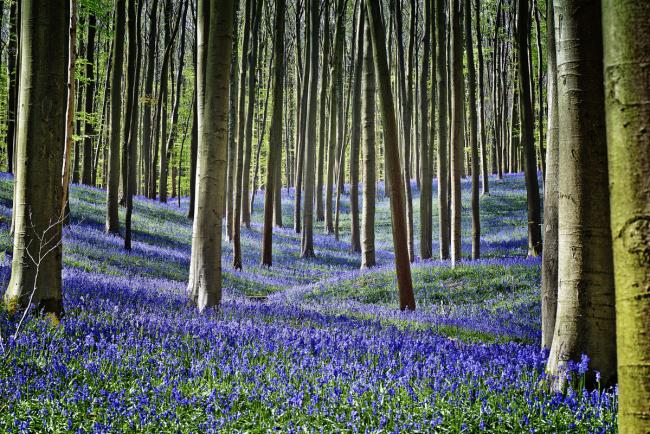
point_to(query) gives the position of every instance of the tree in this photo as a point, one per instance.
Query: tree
(550, 247)
(275, 136)
(627, 92)
(355, 136)
(134, 48)
(37, 253)
(322, 130)
(443, 168)
(368, 140)
(473, 133)
(113, 184)
(336, 101)
(310, 136)
(528, 133)
(426, 206)
(585, 311)
(481, 87)
(239, 161)
(394, 172)
(214, 20)
(457, 115)
(70, 108)
(12, 74)
(89, 130)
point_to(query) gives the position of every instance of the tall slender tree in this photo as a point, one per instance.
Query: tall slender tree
(481, 101)
(426, 205)
(368, 144)
(585, 321)
(274, 158)
(310, 136)
(457, 116)
(550, 245)
(528, 133)
(627, 97)
(443, 166)
(214, 20)
(322, 128)
(37, 253)
(113, 183)
(355, 135)
(394, 172)
(473, 133)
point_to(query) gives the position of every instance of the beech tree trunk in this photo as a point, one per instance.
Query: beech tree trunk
(37, 252)
(394, 172)
(627, 107)
(214, 51)
(113, 183)
(355, 136)
(585, 321)
(443, 167)
(457, 116)
(550, 246)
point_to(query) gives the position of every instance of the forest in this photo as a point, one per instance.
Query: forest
(325, 216)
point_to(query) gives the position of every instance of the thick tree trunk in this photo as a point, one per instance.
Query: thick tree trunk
(214, 51)
(398, 218)
(37, 253)
(550, 246)
(627, 93)
(113, 168)
(443, 144)
(585, 313)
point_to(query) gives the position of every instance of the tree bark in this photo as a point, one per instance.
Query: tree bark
(481, 102)
(443, 144)
(12, 74)
(322, 129)
(585, 313)
(113, 184)
(398, 218)
(457, 115)
(627, 108)
(214, 52)
(355, 135)
(368, 142)
(37, 253)
(275, 136)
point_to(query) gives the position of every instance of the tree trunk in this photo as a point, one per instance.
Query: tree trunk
(443, 167)
(232, 122)
(248, 137)
(481, 102)
(585, 313)
(275, 136)
(368, 141)
(70, 109)
(214, 53)
(550, 246)
(627, 93)
(400, 239)
(310, 136)
(473, 133)
(89, 130)
(322, 130)
(457, 115)
(113, 184)
(527, 133)
(37, 253)
(148, 96)
(237, 201)
(355, 136)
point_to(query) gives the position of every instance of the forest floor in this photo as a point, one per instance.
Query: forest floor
(306, 345)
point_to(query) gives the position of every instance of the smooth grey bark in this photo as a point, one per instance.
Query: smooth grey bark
(585, 322)
(355, 135)
(457, 116)
(443, 144)
(37, 252)
(550, 245)
(368, 121)
(113, 168)
(214, 50)
(322, 129)
(481, 101)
